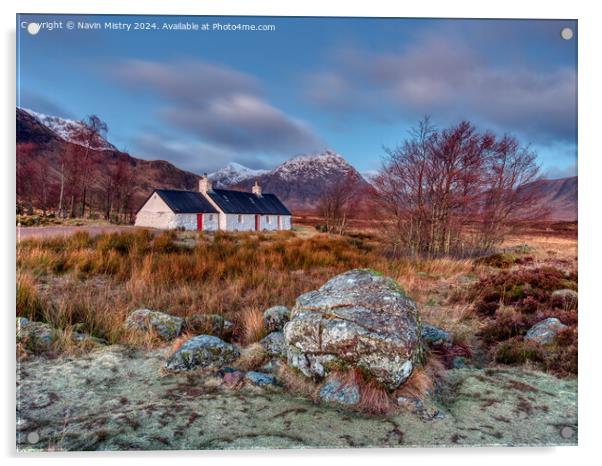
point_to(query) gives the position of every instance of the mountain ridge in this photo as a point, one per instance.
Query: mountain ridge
(299, 181)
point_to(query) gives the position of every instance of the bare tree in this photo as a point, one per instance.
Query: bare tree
(454, 190)
(89, 135)
(336, 204)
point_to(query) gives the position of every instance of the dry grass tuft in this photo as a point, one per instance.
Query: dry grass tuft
(251, 325)
(423, 380)
(374, 398)
(251, 357)
(296, 383)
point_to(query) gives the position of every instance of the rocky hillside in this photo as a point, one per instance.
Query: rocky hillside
(66, 129)
(49, 146)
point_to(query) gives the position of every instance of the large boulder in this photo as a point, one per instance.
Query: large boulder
(204, 351)
(358, 318)
(167, 326)
(545, 331)
(275, 317)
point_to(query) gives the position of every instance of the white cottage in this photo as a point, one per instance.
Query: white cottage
(214, 209)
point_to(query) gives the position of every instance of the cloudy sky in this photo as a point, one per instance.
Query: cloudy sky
(201, 99)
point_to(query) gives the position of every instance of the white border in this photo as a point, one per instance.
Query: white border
(590, 196)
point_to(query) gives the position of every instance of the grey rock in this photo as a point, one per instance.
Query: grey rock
(358, 318)
(260, 379)
(167, 326)
(432, 335)
(337, 391)
(566, 298)
(206, 324)
(206, 351)
(274, 344)
(545, 331)
(36, 336)
(275, 317)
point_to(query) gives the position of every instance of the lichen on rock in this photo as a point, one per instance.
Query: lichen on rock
(205, 351)
(358, 318)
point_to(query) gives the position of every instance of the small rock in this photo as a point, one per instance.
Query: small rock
(233, 379)
(167, 326)
(205, 351)
(274, 344)
(565, 298)
(432, 335)
(275, 317)
(205, 324)
(260, 379)
(37, 336)
(545, 331)
(337, 391)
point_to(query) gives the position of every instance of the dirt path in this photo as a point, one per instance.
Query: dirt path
(114, 399)
(60, 230)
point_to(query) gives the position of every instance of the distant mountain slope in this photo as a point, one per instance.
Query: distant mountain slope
(301, 181)
(67, 130)
(232, 174)
(559, 196)
(50, 147)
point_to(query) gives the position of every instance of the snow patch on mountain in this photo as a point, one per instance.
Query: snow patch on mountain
(232, 174)
(67, 129)
(318, 165)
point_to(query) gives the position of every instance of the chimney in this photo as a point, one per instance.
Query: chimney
(256, 189)
(205, 184)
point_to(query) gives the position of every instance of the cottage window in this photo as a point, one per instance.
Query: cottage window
(211, 217)
(240, 219)
(269, 219)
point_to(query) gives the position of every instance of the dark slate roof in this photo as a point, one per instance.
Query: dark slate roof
(238, 202)
(186, 202)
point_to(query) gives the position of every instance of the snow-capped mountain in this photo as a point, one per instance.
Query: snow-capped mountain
(232, 174)
(301, 181)
(67, 130)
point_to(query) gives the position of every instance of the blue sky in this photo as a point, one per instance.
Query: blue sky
(201, 99)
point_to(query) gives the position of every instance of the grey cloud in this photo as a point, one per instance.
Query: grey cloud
(450, 81)
(193, 156)
(220, 105)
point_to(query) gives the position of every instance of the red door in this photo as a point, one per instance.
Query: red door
(256, 222)
(199, 222)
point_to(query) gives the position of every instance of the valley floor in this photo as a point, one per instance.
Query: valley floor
(116, 399)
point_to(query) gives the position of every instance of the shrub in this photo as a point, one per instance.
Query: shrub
(499, 260)
(251, 324)
(518, 351)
